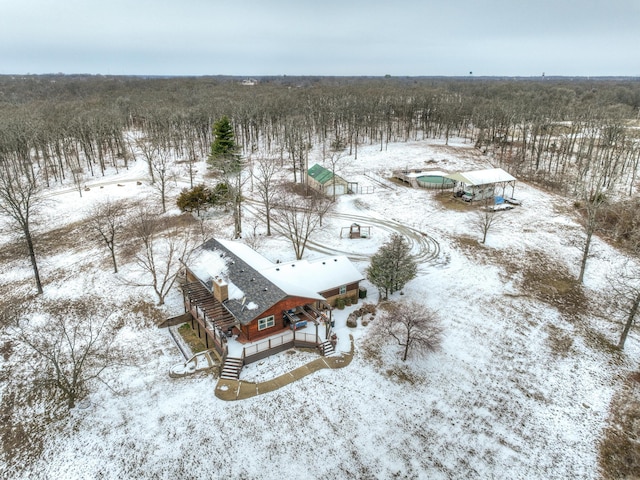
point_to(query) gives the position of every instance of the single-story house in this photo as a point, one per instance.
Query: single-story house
(232, 289)
(481, 184)
(324, 181)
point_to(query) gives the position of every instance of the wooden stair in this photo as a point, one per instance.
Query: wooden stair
(326, 348)
(231, 368)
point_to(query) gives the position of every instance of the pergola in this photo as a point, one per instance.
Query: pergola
(490, 176)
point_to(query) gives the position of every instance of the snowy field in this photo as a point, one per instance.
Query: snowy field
(520, 389)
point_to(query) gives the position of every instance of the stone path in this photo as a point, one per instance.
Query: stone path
(239, 390)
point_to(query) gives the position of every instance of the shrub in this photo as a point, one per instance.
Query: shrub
(340, 303)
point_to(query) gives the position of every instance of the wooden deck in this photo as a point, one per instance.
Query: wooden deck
(212, 319)
(198, 298)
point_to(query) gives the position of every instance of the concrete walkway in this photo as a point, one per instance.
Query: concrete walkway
(239, 390)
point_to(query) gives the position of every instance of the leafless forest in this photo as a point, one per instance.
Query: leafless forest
(552, 131)
(576, 137)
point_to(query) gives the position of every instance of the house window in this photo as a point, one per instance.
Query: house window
(343, 289)
(266, 322)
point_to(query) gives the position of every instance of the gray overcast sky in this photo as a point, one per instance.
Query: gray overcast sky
(321, 37)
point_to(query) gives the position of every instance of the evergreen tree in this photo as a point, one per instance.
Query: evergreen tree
(392, 267)
(196, 199)
(225, 158)
(201, 198)
(224, 151)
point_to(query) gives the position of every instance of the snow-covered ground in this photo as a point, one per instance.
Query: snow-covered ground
(498, 401)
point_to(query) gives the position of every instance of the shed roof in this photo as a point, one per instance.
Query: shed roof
(482, 177)
(321, 174)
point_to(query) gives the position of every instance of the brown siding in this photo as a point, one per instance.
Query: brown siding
(251, 329)
(191, 277)
(333, 294)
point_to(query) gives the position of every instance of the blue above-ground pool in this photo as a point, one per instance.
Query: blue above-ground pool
(435, 181)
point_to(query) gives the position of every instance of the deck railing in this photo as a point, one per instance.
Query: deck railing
(269, 346)
(214, 338)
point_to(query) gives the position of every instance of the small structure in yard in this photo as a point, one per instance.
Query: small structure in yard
(481, 184)
(324, 181)
(234, 293)
(356, 230)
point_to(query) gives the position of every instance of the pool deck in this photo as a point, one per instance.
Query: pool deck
(411, 176)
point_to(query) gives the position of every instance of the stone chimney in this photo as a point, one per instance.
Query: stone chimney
(220, 289)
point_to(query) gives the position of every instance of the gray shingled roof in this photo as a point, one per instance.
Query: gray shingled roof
(256, 288)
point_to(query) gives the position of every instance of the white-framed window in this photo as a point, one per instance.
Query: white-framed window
(343, 289)
(266, 322)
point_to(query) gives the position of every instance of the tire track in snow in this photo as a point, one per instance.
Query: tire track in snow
(424, 247)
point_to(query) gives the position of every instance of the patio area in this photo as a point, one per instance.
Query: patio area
(313, 334)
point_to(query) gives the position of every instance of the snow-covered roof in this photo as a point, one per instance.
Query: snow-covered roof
(255, 279)
(248, 254)
(482, 177)
(318, 275)
(302, 278)
(207, 264)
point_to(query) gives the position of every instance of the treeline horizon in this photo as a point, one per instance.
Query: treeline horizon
(536, 127)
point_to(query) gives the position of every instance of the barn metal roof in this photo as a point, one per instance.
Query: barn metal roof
(321, 174)
(482, 177)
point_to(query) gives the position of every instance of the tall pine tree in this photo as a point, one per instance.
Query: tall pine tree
(224, 151)
(225, 158)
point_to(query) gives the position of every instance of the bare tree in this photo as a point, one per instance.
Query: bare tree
(106, 220)
(236, 183)
(72, 350)
(600, 173)
(591, 206)
(163, 173)
(485, 218)
(253, 238)
(266, 171)
(148, 149)
(298, 217)
(77, 174)
(334, 159)
(412, 325)
(626, 285)
(191, 160)
(20, 198)
(162, 252)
